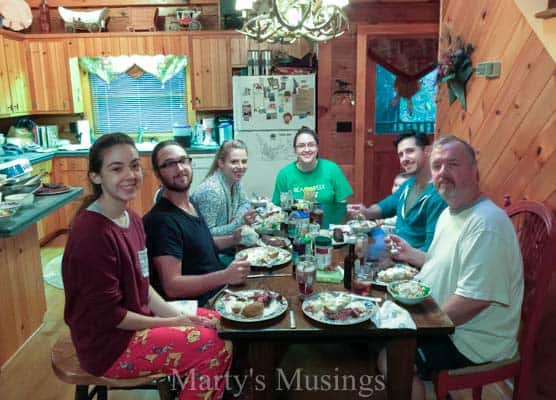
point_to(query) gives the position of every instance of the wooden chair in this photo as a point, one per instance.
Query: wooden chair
(66, 367)
(535, 226)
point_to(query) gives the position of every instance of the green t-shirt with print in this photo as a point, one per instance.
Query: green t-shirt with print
(331, 187)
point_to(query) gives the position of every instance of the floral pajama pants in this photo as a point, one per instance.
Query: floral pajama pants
(196, 355)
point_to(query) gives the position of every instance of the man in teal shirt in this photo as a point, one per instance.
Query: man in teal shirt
(416, 203)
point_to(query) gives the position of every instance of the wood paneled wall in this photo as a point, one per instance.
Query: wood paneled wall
(511, 121)
(337, 60)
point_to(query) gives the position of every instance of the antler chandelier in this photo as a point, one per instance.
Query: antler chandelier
(283, 21)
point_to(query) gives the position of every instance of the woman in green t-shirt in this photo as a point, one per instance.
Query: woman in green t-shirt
(325, 177)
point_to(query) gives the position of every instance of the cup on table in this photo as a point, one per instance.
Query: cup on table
(286, 200)
(305, 275)
(362, 280)
(361, 247)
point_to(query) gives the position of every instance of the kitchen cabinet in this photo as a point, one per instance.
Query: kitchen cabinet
(211, 73)
(15, 99)
(55, 87)
(49, 225)
(71, 171)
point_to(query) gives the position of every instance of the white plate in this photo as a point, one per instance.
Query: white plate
(413, 271)
(313, 307)
(265, 256)
(225, 302)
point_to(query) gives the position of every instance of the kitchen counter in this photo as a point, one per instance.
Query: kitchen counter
(42, 206)
(35, 157)
(21, 281)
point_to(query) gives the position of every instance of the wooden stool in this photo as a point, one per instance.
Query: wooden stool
(66, 367)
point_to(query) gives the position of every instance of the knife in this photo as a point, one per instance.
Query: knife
(266, 275)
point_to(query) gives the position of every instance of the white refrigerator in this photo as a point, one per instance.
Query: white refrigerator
(268, 110)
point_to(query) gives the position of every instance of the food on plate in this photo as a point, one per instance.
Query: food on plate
(265, 255)
(253, 310)
(361, 226)
(335, 307)
(411, 289)
(275, 241)
(253, 305)
(397, 273)
(338, 235)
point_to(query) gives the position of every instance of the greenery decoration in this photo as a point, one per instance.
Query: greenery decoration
(455, 68)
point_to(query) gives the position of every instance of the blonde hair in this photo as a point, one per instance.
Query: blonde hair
(223, 152)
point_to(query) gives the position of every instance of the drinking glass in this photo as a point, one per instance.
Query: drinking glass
(286, 200)
(362, 279)
(305, 275)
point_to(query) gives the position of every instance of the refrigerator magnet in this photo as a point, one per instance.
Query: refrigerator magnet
(287, 118)
(246, 111)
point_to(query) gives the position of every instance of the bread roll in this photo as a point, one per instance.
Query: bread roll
(253, 310)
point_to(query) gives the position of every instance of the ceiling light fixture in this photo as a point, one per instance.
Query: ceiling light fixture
(284, 21)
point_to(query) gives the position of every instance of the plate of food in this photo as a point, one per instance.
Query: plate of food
(399, 272)
(276, 241)
(251, 305)
(265, 256)
(361, 226)
(48, 189)
(338, 308)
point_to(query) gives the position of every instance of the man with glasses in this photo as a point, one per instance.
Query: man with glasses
(182, 252)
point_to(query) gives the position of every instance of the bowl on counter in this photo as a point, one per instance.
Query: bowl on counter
(7, 209)
(24, 199)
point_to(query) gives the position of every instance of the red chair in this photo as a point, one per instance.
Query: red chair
(535, 225)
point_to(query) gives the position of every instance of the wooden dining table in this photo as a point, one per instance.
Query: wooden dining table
(263, 343)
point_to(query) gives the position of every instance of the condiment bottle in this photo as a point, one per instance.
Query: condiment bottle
(349, 266)
(44, 17)
(323, 251)
(317, 214)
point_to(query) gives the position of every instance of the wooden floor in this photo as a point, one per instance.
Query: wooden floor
(28, 375)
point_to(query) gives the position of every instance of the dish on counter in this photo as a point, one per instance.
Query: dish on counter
(8, 208)
(399, 272)
(251, 305)
(338, 308)
(265, 256)
(48, 189)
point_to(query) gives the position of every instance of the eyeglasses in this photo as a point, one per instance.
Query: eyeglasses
(185, 160)
(301, 146)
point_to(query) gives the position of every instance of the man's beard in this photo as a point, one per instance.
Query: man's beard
(176, 188)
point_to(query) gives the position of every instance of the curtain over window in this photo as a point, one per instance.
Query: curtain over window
(150, 97)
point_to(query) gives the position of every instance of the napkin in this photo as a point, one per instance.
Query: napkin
(334, 276)
(392, 316)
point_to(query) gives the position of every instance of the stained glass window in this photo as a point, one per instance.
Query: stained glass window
(394, 115)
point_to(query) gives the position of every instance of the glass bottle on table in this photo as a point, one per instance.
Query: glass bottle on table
(349, 266)
(317, 214)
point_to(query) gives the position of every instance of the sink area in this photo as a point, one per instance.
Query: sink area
(145, 146)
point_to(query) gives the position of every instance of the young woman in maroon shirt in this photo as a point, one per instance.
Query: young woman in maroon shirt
(119, 324)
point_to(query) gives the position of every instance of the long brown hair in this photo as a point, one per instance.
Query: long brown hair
(223, 152)
(96, 158)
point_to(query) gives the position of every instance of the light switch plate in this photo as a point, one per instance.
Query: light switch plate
(489, 69)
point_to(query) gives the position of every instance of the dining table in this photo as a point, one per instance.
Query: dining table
(263, 343)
